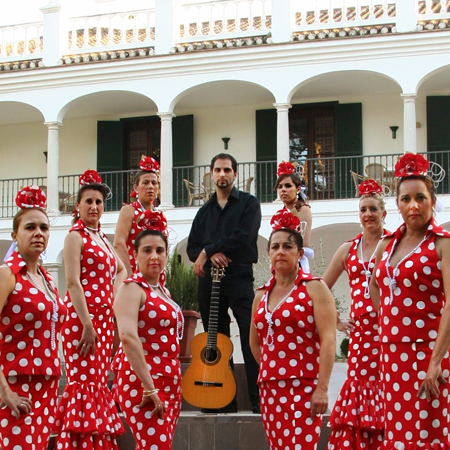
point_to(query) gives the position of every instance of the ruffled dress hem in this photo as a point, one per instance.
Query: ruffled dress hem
(359, 405)
(86, 408)
(396, 445)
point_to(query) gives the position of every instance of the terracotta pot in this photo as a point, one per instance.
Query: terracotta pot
(190, 324)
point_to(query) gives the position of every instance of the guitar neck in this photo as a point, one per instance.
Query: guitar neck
(213, 315)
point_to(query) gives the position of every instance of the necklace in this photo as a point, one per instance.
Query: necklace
(51, 296)
(269, 314)
(174, 305)
(368, 270)
(396, 271)
(108, 249)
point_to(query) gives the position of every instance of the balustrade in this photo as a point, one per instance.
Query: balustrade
(20, 42)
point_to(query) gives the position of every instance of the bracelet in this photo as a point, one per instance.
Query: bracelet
(149, 392)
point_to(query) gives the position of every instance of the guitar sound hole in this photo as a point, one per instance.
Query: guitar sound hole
(211, 356)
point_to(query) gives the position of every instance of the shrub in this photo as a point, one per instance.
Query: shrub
(344, 347)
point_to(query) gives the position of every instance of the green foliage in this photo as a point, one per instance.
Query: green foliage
(344, 348)
(182, 282)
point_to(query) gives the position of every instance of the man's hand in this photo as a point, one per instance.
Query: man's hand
(220, 260)
(200, 264)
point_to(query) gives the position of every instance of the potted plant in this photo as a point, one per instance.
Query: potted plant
(183, 286)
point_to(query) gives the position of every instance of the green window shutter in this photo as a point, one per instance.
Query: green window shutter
(438, 135)
(348, 143)
(266, 150)
(110, 159)
(183, 155)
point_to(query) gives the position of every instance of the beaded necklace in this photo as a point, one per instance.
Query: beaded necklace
(269, 314)
(368, 270)
(51, 296)
(107, 247)
(174, 305)
(396, 271)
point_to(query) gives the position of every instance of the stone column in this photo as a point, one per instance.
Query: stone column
(164, 27)
(409, 123)
(282, 131)
(53, 270)
(52, 34)
(281, 26)
(405, 16)
(53, 165)
(166, 161)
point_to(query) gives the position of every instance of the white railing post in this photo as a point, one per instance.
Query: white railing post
(409, 123)
(52, 36)
(164, 39)
(281, 24)
(282, 131)
(406, 15)
(166, 160)
(53, 165)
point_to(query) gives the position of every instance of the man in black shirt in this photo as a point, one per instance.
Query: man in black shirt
(224, 234)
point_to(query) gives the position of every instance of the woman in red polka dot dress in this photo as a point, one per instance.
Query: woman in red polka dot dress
(146, 186)
(148, 374)
(87, 417)
(411, 286)
(357, 418)
(294, 341)
(31, 316)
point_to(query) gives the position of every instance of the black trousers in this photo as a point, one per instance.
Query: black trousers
(236, 292)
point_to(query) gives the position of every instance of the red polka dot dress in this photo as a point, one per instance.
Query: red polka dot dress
(30, 324)
(357, 417)
(289, 368)
(87, 417)
(411, 303)
(135, 230)
(160, 323)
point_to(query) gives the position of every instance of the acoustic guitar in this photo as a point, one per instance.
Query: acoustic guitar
(209, 381)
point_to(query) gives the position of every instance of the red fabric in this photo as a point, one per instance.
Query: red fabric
(31, 431)
(87, 376)
(357, 416)
(25, 326)
(285, 412)
(408, 327)
(157, 319)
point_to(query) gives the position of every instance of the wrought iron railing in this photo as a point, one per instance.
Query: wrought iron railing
(325, 178)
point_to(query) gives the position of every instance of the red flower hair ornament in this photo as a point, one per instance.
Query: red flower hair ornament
(284, 219)
(411, 164)
(149, 164)
(369, 187)
(285, 168)
(31, 197)
(90, 177)
(153, 220)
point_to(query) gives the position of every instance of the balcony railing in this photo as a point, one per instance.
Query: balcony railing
(325, 178)
(209, 20)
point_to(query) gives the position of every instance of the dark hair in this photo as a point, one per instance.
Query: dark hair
(144, 233)
(295, 237)
(18, 217)
(298, 182)
(224, 156)
(138, 175)
(95, 187)
(429, 183)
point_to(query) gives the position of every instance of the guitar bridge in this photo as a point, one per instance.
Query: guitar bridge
(208, 384)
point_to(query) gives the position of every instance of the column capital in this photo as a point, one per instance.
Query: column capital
(53, 125)
(51, 266)
(408, 97)
(282, 107)
(52, 7)
(166, 115)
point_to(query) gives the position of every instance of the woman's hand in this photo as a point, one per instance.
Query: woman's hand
(430, 385)
(88, 341)
(160, 407)
(345, 326)
(319, 402)
(15, 402)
